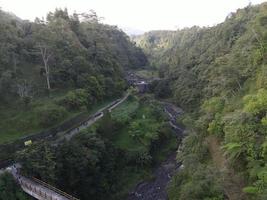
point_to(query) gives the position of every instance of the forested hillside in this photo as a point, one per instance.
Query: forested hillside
(218, 75)
(55, 69)
(52, 69)
(106, 160)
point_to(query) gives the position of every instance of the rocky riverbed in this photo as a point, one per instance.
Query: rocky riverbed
(157, 188)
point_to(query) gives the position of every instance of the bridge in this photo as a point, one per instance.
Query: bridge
(37, 188)
(41, 190)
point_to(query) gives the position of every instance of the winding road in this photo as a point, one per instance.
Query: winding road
(151, 190)
(85, 124)
(42, 191)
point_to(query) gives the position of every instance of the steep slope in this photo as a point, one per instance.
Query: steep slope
(77, 45)
(218, 74)
(51, 70)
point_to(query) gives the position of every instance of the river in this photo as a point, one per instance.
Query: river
(157, 189)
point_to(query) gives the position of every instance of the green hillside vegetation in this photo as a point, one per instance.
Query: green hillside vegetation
(51, 70)
(106, 160)
(141, 125)
(10, 190)
(124, 111)
(147, 74)
(218, 75)
(55, 69)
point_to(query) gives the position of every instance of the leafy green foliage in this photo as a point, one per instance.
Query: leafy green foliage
(142, 127)
(10, 190)
(74, 100)
(195, 180)
(126, 110)
(70, 54)
(201, 63)
(87, 167)
(256, 104)
(162, 89)
(203, 185)
(218, 74)
(39, 160)
(51, 115)
(106, 160)
(234, 150)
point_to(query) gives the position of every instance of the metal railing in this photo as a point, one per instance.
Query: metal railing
(50, 187)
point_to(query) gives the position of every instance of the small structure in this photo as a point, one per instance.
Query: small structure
(142, 86)
(136, 81)
(132, 78)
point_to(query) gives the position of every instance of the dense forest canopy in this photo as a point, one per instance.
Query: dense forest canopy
(106, 160)
(213, 60)
(218, 74)
(62, 51)
(54, 68)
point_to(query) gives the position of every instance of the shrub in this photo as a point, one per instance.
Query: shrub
(139, 157)
(143, 159)
(74, 100)
(50, 115)
(9, 190)
(256, 104)
(163, 90)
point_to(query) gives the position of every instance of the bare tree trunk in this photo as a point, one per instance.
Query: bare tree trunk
(48, 83)
(23, 89)
(46, 57)
(47, 75)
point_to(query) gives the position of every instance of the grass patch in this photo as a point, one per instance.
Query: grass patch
(123, 140)
(125, 110)
(139, 126)
(147, 74)
(24, 122)
(140, 130)
(123, 113)
(18, 121)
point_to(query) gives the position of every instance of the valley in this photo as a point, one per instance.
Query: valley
(88, 112)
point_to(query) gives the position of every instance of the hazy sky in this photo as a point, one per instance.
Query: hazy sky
(137, 14)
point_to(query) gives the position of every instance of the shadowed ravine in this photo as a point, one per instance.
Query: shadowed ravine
(157, 188)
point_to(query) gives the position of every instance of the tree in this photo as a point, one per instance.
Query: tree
(9, 190)
(39, 160)
(46, 55)
(87, 167)
(107, 126)
(24, 90)
(45, 40)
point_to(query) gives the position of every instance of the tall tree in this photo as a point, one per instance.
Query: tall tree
(45, 39)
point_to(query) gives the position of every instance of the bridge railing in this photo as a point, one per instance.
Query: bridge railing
(36, 191)
(54, 189)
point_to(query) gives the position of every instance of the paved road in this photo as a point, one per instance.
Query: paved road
(42, 191)
(95, 117)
